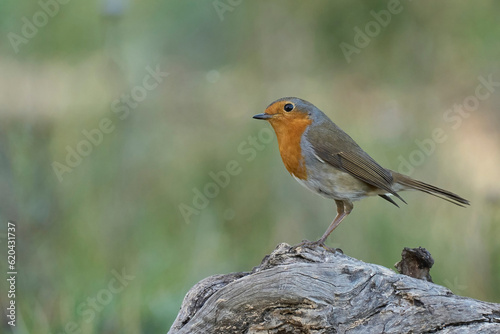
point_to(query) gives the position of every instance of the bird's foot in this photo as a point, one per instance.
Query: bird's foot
(318, 243)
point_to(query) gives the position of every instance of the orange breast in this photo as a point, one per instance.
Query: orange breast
(289, 133)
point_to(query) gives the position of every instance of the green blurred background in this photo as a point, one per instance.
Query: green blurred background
(118, 211)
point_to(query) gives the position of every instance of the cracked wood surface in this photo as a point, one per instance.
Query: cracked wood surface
(303, 290)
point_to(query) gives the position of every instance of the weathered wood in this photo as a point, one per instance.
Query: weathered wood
(312, 290)
(416, 263)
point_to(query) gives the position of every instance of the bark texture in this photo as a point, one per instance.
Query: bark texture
(297, 289)
(416, 263)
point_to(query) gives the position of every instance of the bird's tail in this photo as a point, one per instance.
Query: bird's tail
(407, 183)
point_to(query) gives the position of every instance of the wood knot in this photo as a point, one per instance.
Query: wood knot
(416, 263)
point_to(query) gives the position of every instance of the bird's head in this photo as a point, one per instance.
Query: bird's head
(291, 113)
(287, 109)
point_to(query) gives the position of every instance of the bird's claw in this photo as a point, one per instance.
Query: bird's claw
(318, 243)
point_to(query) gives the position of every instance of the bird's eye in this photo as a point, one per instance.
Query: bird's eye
(288, 107)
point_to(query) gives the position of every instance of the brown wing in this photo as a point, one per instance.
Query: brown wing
(337, 148)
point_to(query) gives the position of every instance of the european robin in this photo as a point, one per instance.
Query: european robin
(326, 160)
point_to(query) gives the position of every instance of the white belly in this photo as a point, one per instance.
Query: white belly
(332, 183)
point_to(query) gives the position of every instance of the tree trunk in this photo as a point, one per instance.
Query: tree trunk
(313, 290)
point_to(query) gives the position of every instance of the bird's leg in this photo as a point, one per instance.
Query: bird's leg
(343, 209)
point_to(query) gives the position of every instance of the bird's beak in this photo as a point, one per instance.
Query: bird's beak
(263, 116)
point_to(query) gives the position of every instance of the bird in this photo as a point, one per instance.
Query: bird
(327, 161)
